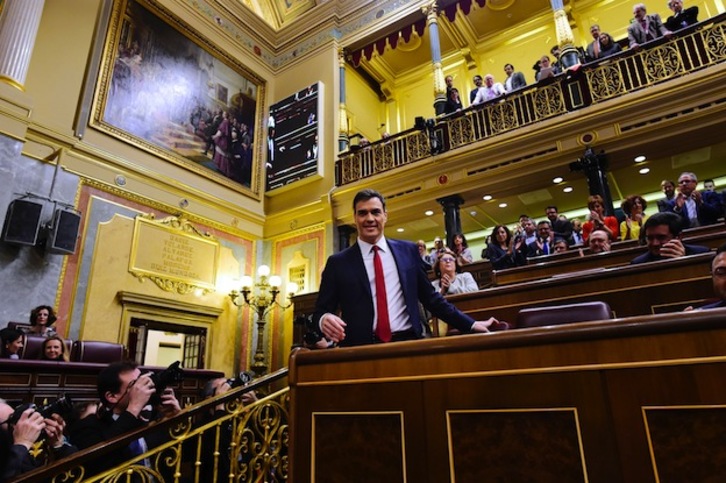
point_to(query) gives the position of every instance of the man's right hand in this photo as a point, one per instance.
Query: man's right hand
(28, 428)
(333, 327)
(140, 393)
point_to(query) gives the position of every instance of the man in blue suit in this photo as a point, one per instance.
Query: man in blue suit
(696, 208)
(348, 284)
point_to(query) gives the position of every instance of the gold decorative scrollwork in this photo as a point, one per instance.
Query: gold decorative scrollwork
(715, 41)
(548, 101)
(461, 131)
(178, 222)
(502, 117)
(172, 286)
(606, 82)
(417, 146)
(662, 62)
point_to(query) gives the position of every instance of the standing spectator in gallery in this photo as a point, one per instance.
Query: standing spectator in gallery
(593, 48)
(662, 234)
(504, 250)
(645, 28)
(515, 79)
(461, 249)
(425, 257)
(478, 83)
(696, 208)
(450, 279)
(453, 101)
(449, 80)
(682, 17)
(668, 188)
(599, 241)
(709, 185)
(543, 245)
(634, 208)
(561, 228)
(546, 69)
(598, 220)
(490, 90)
(436, 250)
(41, 320)
(577, 232)
(608, 46)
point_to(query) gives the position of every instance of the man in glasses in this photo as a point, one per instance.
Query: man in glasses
(718, 275)
(696, 208)
(124, 393)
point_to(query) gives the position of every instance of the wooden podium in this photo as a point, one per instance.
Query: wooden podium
(639, 400)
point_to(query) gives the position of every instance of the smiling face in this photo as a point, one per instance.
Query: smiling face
(501, 235)
(370, 219)
(686, 184)
(14, 346)
(53, 349)
(657, 236)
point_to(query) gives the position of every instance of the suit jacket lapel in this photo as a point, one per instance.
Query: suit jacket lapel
(358, 269)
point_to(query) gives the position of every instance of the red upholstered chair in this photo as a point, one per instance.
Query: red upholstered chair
(563, 314)
(97, 351)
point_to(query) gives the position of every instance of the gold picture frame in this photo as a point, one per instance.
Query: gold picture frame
(166, 89)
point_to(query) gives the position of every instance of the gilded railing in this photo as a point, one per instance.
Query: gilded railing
(220, 439)
(690, 50)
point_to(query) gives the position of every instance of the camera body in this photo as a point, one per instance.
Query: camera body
(311, 331)
(241, 379)
(171, 375)
(63, 406)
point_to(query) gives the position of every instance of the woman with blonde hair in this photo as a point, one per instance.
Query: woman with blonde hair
(54, 349)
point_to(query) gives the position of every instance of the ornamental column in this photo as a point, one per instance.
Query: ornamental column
(452, 219)
(569, 55)
(342, 110)
(432, 22)
(19, 23)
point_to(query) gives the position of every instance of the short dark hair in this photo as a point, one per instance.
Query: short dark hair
(463, 239)
(629, 202)
(708, 181)
(51, 314)
(554, 47)
(672, 220)
(8, 335)
(544, 222)
(550, 207)
(721, 249)
(508, 65)
(109, 380)
(367, 194)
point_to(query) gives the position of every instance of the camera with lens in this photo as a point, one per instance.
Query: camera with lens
(311, 331)
(173, 374)
(63, 406)
(241, 379)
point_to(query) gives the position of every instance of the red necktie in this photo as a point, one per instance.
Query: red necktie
(383, 328)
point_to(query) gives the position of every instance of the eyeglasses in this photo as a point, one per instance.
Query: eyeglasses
(447, 259)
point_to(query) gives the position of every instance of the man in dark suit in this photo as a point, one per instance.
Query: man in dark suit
(681, 17)
(696, 208)
(561, 228)
(369, 312)
(645, 28)
(718, 275)
(544, 243)
(478, 83)
(662, 233)
(515, 80)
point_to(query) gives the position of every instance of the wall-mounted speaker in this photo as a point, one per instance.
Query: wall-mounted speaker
(22, 222)
(63, 234)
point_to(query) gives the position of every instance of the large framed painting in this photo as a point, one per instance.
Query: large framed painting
(294, 135)
(168, 90)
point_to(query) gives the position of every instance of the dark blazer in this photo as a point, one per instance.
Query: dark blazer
(708, 212)
(499, 258)
(647, 257)
(518, 81)
(687, 17)
(716, 305)
(637, 35)
(345, 287)
(534, 251)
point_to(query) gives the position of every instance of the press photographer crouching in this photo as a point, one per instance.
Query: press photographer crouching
(129, 400)
(40, 429)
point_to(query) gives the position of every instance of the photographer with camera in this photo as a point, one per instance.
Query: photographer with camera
(25, 426)
(126, 404)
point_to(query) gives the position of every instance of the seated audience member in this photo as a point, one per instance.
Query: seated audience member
(124, 394)
(593, 48)
(662, 234)
(515, 80)
(453, 102)
(608, 46)
(668, 188)
(718, 275)
(599, 242)
(546, 69)
(577, 232)
(41, 320)
(449, 277)
(490, 90)
(53, 349)
(478, 83)
(696, 208)
(644, 27)
(24, 433)
(543, 244)
(681, 17)
(461, 249)
(12, 343)
(425, 257)
(560, 245)
(561, 227)
(504, 251)
(598, 220)
(634, 208)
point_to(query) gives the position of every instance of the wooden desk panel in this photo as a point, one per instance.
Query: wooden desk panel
(597, 379)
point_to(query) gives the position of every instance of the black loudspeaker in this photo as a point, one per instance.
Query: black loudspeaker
(22, 222)
(63, 234)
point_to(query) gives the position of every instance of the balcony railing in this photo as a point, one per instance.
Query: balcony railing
(692, 49)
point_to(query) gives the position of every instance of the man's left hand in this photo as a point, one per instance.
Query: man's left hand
(169, 404)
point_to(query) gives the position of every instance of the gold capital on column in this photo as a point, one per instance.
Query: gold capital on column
(430, 10)
(562, 27)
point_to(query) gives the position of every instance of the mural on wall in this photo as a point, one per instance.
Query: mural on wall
(164, 88)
